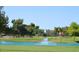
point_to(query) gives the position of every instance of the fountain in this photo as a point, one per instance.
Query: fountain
(46, 42)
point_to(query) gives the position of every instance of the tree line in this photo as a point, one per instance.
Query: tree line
(18, 28)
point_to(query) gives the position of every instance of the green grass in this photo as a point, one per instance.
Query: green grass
(39, 49)
(34, 39)
(38, 39)
(64, 39)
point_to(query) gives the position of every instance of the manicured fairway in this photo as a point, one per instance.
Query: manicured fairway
(39, 49)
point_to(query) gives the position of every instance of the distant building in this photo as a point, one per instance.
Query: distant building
(61, 34)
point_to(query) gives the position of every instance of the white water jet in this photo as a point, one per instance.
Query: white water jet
(44, 42)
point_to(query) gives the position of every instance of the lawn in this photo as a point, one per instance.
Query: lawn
(34, 39)
(64, 39)
(39, 49)
(38, 39)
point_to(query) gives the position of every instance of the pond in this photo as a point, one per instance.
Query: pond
(45, 42)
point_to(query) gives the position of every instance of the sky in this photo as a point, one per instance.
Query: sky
(47, 17)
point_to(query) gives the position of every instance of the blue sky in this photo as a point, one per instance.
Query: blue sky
(47, 17)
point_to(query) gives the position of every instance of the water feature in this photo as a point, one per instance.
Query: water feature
(3, 42)
(44, 42)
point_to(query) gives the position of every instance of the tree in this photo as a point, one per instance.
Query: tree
(60, 31)
(32, 29)
(3, 21)
(73, 29)
(17, 23)
(65, 30)
(41, 32)
(1, 8)
(37, 30)
(56, 31)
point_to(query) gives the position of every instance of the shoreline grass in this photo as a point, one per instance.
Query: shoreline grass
(38, 39)
(22, 39)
